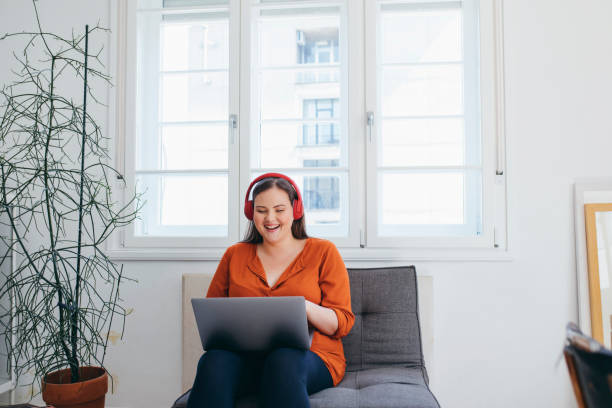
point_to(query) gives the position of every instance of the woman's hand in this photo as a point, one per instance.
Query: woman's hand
(322, 318)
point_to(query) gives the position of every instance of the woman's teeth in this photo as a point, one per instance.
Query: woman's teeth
(269, 228)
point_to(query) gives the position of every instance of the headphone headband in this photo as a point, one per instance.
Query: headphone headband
(298, 208)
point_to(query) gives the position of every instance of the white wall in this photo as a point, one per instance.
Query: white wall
(498, 326)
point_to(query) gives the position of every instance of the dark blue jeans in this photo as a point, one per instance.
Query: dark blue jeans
(283, 377)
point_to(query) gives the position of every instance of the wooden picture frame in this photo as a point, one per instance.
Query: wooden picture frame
(597, 313)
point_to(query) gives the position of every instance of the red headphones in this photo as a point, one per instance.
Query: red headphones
(298, 207)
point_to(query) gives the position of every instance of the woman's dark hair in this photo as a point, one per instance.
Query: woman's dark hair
(298, 228)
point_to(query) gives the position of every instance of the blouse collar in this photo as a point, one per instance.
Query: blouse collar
(255, 265)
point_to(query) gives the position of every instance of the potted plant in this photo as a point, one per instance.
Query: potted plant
(56, 201)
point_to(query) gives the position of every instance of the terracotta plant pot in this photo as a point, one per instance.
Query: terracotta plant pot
(87, 393)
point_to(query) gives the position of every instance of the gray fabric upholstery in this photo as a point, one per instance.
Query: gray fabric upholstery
(386, 330)
(385, 366)
(377, 387)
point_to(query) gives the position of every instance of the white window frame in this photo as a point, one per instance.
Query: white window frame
(359, 96)
(488, 131)
(348, 93)
(128, 237)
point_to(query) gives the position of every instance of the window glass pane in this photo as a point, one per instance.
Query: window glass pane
(194, 45)
(423, 142)
(283, 93)
(194, 97)
(426, 35)
(440, 203)
(182, 119)
(184, 147)
(184, 203)
(289, 145)
(430, 198)
(325, 200)
(426, 90)
(321, 193)
(194, 147)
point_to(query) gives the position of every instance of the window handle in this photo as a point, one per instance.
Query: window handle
(370, 116)
(233, 125)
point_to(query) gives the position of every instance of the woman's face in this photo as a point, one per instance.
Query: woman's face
(273, 215)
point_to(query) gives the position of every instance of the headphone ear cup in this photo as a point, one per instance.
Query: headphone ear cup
(248, 210)
(298, 209)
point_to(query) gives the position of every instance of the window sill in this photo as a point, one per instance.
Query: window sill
(348, 254)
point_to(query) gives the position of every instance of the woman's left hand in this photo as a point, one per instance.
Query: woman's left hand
(322, 318)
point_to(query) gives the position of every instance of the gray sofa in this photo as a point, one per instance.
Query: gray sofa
(385, 366)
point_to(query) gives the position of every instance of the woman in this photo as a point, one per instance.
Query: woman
(277, 258)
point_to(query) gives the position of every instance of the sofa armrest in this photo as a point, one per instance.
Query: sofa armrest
(195, 285)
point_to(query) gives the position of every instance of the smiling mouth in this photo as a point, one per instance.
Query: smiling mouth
(271, 228)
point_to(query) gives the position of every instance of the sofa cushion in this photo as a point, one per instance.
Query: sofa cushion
(383, 395)
(358, 380)
(378, 387)
(386, 330)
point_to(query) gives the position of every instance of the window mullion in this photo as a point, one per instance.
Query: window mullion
(371, 135)
(234, 134)
(246, 122)
(492, 123)
(354, 54)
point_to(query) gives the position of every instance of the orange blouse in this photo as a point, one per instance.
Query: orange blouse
(317, 273)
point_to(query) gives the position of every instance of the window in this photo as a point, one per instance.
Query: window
(182, 153)
(298, 105)
(385, 113)
(428, 162)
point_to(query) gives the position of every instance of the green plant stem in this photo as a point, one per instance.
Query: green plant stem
(75, 311)
(73, 364)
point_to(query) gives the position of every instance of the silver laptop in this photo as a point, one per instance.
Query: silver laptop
(252, 323)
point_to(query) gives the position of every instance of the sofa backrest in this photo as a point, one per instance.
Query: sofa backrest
(371, 351)
(386, 330)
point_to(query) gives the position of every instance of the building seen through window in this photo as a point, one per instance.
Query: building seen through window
(319, 47)
(321, 133)
(321, 129)
(321, 193)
